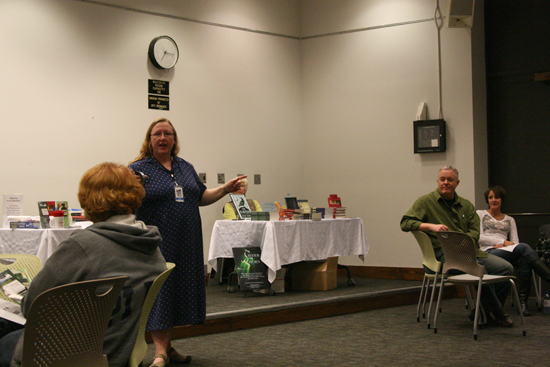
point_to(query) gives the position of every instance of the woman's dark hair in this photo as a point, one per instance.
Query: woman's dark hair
(497, 190)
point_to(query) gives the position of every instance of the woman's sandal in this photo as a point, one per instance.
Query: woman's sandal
(164, 363)
(177, 358)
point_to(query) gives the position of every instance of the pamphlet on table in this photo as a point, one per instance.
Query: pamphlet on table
(11, 311)
(14, 284)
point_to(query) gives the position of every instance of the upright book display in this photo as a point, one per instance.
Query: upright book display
(44, 214)
(251, 271)
(243, 210)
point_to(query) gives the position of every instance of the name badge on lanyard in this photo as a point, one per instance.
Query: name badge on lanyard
(178, 190)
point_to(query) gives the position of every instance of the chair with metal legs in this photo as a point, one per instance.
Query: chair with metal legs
(431, 263)
(460, 254)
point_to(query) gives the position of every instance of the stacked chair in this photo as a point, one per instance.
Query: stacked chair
(460, 254)
(430, 263)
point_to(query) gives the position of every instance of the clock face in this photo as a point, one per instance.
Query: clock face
(163, 52)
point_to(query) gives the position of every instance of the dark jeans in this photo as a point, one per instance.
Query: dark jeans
(520, 258)
(9, 335)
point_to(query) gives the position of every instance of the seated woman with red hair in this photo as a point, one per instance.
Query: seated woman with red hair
(115, 245)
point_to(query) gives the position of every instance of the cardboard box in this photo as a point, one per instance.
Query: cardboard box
(278, 284)
(315, 275)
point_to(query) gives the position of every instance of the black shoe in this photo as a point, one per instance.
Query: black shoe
(504, 320)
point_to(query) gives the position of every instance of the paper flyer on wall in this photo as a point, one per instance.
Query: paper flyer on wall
(13, 206)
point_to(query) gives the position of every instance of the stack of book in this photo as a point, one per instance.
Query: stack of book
(335, 203)
(289, 213)
(340, 212)
(299, 214)
(79, 218)
(259, 216)
(23, 222)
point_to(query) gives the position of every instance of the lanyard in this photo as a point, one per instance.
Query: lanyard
(178, 190)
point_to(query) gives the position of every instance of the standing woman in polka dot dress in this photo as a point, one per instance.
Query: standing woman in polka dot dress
(174, 193)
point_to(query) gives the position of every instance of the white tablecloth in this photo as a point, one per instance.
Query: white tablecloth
(287, 242)
(39, 242)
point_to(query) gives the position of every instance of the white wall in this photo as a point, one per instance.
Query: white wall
(314, 116)
(361, 94)
(74, 93)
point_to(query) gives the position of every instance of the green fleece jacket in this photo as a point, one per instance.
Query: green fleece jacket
(432, 208)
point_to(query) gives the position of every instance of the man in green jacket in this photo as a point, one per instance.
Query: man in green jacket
(444, 210)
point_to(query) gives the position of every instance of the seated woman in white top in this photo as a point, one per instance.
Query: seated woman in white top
(229, 210)
(499, 236)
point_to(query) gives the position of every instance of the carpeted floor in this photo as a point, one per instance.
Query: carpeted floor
(385, 337)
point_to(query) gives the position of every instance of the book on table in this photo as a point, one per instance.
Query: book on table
(304, 205)
(291, 202)
(243, 210)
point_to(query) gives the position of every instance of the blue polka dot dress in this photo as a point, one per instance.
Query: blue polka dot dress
(182, 299)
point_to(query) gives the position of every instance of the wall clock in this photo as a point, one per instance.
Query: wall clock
(163, 52)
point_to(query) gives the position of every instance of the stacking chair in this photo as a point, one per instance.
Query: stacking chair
(30, 263)
(66, 325)
(140, 349)
(544, 229)
(429, 262)
(460, 254)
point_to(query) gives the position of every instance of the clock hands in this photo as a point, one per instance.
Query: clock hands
(166, 53)
(163, 52)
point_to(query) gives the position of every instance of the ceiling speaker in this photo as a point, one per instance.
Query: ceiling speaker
(461, 13)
